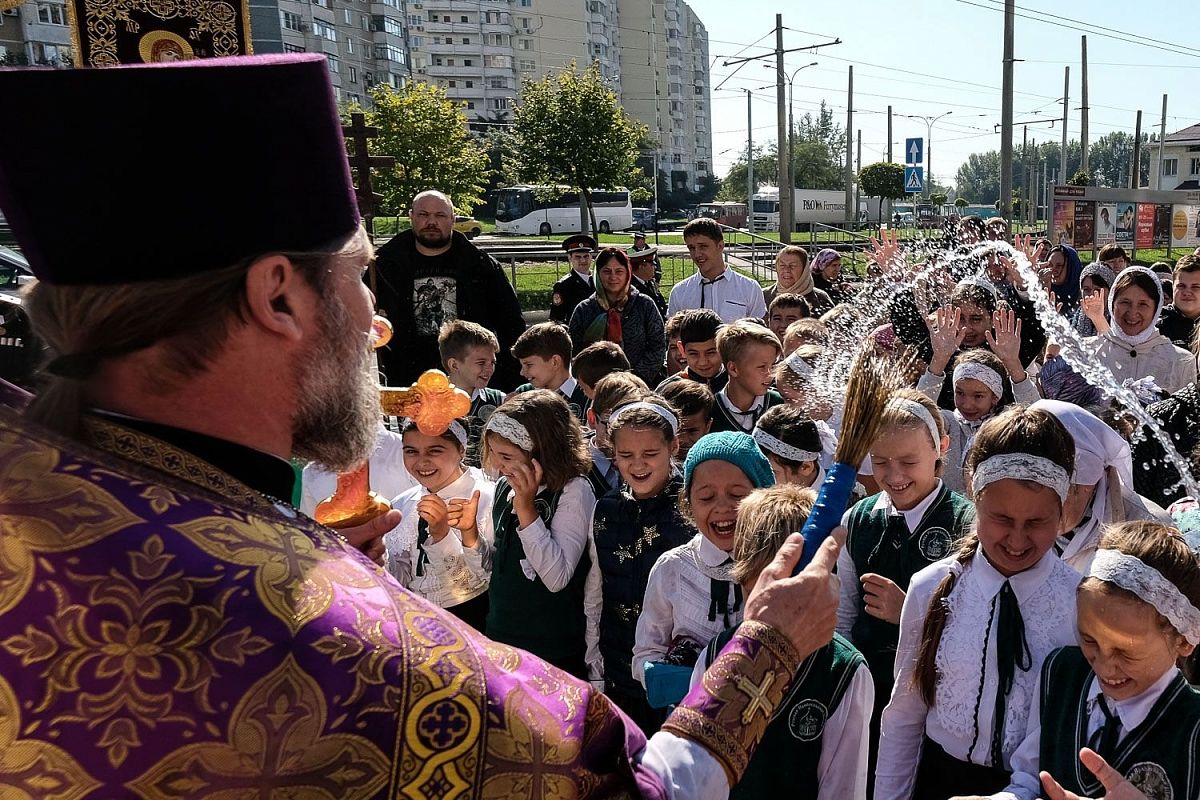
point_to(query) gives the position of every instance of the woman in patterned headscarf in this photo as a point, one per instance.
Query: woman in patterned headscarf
(617, 312)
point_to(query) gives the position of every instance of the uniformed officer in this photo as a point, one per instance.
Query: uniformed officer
(645, 275)
(640, 245)
(577, 285)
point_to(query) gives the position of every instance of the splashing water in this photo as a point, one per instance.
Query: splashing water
(870, 309)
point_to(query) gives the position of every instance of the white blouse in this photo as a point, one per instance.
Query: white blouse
(453, 574)
(678, 595)
(966, 664)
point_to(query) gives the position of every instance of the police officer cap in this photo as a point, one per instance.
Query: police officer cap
(579, 242)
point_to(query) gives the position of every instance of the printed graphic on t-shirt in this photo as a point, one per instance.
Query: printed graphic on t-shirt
(435, 302)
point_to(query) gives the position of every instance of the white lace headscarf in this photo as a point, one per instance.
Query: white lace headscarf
(1152, 328)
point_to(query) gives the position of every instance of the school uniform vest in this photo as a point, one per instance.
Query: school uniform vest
(1161, 757)
(482, 407)
(724, 420)
(577, 400)
(880, 542)
(786, 761)
(522, 612)
(630, 535)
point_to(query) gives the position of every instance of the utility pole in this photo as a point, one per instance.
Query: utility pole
(1062, 159)
(850, 212)
(1006, 113)
(749, 159)
(1162, 136)
(1083, 118)
(1136, 169)
(857, 169)
(1045, 196)
(1024, 168)
(889, 200)
(787, 216)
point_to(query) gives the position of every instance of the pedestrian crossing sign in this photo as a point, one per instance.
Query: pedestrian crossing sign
(914, 180)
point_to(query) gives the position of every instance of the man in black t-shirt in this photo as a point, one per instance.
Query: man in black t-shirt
(430, 275)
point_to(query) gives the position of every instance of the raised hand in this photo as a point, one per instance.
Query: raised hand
(432, 509)
(524, 480)
(1115, 785)
(886, 252)
(461, 514)
(1094, 307)
(946, 336)
(368, 537)
(1006, 343)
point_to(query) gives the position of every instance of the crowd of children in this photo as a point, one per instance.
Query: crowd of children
(1002, 576)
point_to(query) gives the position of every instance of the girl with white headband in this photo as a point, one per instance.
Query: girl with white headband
(544, 595)
(796, 445)
(632, 526)
(915, 521)
(1133, 347)
(982, 389)
(1119, 693)
(442, 548)
(977, 624)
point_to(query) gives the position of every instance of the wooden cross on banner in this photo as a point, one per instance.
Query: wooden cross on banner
(358, 133)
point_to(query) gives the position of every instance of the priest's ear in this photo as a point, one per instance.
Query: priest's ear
(277, 294)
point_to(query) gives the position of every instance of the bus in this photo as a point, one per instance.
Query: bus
(732, 215)
(547, 210)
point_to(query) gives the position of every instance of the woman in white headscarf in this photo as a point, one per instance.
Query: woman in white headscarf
(1101, 488)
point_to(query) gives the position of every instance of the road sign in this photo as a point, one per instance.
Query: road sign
(914, 180)
(914, 151)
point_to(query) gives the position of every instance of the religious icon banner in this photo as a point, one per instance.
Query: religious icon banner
(110, 32)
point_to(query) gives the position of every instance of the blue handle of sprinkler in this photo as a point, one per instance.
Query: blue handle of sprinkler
(828, 510)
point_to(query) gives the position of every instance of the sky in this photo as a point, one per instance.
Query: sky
(927, 57)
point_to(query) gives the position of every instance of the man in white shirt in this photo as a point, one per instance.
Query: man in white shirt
(716, 286)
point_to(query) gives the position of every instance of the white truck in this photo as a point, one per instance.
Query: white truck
(811, 206)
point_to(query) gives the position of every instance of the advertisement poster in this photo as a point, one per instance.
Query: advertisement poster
(1146, 213)
(1162, 224)
(1106, 223)
(1185, 226)
(1085, 224)
(1125, 224)
(1064, 221)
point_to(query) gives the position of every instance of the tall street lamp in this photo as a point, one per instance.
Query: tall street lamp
(790, 179)
(929, 122)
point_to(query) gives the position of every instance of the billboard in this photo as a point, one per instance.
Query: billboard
(1064, 221)
(1144, 237)
(1106, 224)
(1126, 222)
(1162, 224)
(1085, 224)
(1185, 226)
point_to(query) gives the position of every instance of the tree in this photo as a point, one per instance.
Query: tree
(979, 177)
(1109, 159)
(937, 198)
(766, 169)
(961, 202)
(884, 180)
(426, 133)
(819, 151)
(1080, 178)
(570, 129)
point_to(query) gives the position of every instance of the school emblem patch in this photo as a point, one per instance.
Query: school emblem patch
(1151, 780)
(935, 543)
(556, 299)
(807, 720)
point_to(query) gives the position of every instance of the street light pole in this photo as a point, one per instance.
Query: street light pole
(929, 122)
(787, 181)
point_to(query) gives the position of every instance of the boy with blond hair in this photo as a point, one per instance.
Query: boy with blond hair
(816, 743)
(749, 351)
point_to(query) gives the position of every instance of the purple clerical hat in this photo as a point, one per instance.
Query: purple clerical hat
(126, 174)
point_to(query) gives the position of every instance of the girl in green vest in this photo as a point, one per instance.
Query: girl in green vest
(816, 743)
(544, 594)
(1120, 693)
(915, 521)
(977, 625)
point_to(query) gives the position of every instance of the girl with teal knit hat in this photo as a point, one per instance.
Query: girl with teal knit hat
(691, 595)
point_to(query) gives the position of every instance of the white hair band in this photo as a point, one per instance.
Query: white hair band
(658, 409)
(508, 428)
(781, 448)
(1021, 467)
(1150, 585)
(913, 408)
(455, 428)
(973, 370)
(798, 365)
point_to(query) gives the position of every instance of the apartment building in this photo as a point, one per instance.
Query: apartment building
(1180, 167)
(36, 32)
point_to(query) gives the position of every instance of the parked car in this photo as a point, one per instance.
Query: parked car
(644, 220)
(19, 350)
(467, 226)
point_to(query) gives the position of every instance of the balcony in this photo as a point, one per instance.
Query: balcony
(471, 73)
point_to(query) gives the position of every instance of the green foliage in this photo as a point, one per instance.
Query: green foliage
(1110, 156)
(426, 133)
(961, 202)
(570, 129)
(766, 170)
(937, 198)
(979, 177)
(1080, 178)
(819, 151)
(883, 179)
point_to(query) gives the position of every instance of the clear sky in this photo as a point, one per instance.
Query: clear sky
(931, 56)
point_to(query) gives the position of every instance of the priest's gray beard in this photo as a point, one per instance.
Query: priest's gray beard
(338, 415)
